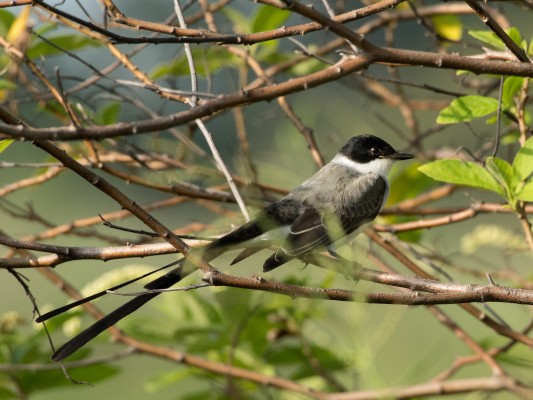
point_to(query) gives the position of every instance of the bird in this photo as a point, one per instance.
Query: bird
(332, 205)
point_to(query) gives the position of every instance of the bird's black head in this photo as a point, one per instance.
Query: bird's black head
(366, 148)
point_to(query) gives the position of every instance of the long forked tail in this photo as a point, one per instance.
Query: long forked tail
(60, 310)
(163, 282)
(126, 309)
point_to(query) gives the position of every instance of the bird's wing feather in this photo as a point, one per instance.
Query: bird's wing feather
(307, 232)
(320, 225)
(367, 203)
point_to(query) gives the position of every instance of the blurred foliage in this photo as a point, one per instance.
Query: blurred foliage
(23, 347)
(448, 26)
(405, 185)
(57, 45)
(258, 331)
(209, 61)
(491, 235)
(4, 144)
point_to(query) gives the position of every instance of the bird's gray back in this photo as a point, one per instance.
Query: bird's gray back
(344, 190)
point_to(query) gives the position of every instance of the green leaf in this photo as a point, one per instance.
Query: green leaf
(290, 354)
(464, 173)
(6, 19)
(267, 18)
(7, 394)
(523, 162)
(448, 26)
(36, 382)
(511, 87)
(7, 85)
(514, 34)
(467, 108)
(240, 21)
(109, 113)
(63, 42)
(491, 236)
(5, 143)
(264, 19)
(503, 172)
(491, 39)
(524, 192)
(510, 138)
(43, 29)
(167, 379)
(411, 182)
(523, 168)
(488, 37)
(207, 62)
(307, 67)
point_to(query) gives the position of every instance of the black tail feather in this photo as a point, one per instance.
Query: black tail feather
(98, 327)
(275, 260)
(61, 310)
(208, 253)
(250, 251)
(126, 309)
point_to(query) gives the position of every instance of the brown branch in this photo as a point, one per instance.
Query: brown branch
(519, 53)
(489, 208)
(415, 290)
(210, 107)
(110, 190)
(183, 189)
(526, 226)
(68, 227)
(492, 384)
(461, 333)
(432, 223)
(205, 109)
(219, 368)
(180, 357)
(34, 367)
(477, 294)
(481, 316)
(464, 336)
(63, 254)
(203, 36)
(25, 183)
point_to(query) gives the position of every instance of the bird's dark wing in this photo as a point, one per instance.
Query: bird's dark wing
(282, 213)
(315, 228)
(366, 204)
(312, 229)
(306, 233)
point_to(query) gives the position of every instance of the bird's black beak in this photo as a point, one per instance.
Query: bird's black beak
(400, 156)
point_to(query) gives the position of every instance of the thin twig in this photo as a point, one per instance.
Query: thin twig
(207, 135)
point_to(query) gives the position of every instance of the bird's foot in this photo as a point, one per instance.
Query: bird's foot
(346, 266)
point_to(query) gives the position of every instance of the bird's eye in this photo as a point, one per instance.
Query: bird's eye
(374, 151)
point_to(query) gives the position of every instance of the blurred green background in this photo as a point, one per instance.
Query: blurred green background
(380, 345)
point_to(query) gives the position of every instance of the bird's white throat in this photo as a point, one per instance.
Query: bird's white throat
(380, 166)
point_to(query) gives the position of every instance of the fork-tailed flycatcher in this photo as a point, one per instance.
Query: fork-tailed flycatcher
(337, 201)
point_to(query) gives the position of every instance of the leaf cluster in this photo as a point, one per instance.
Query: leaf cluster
(513, 181)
